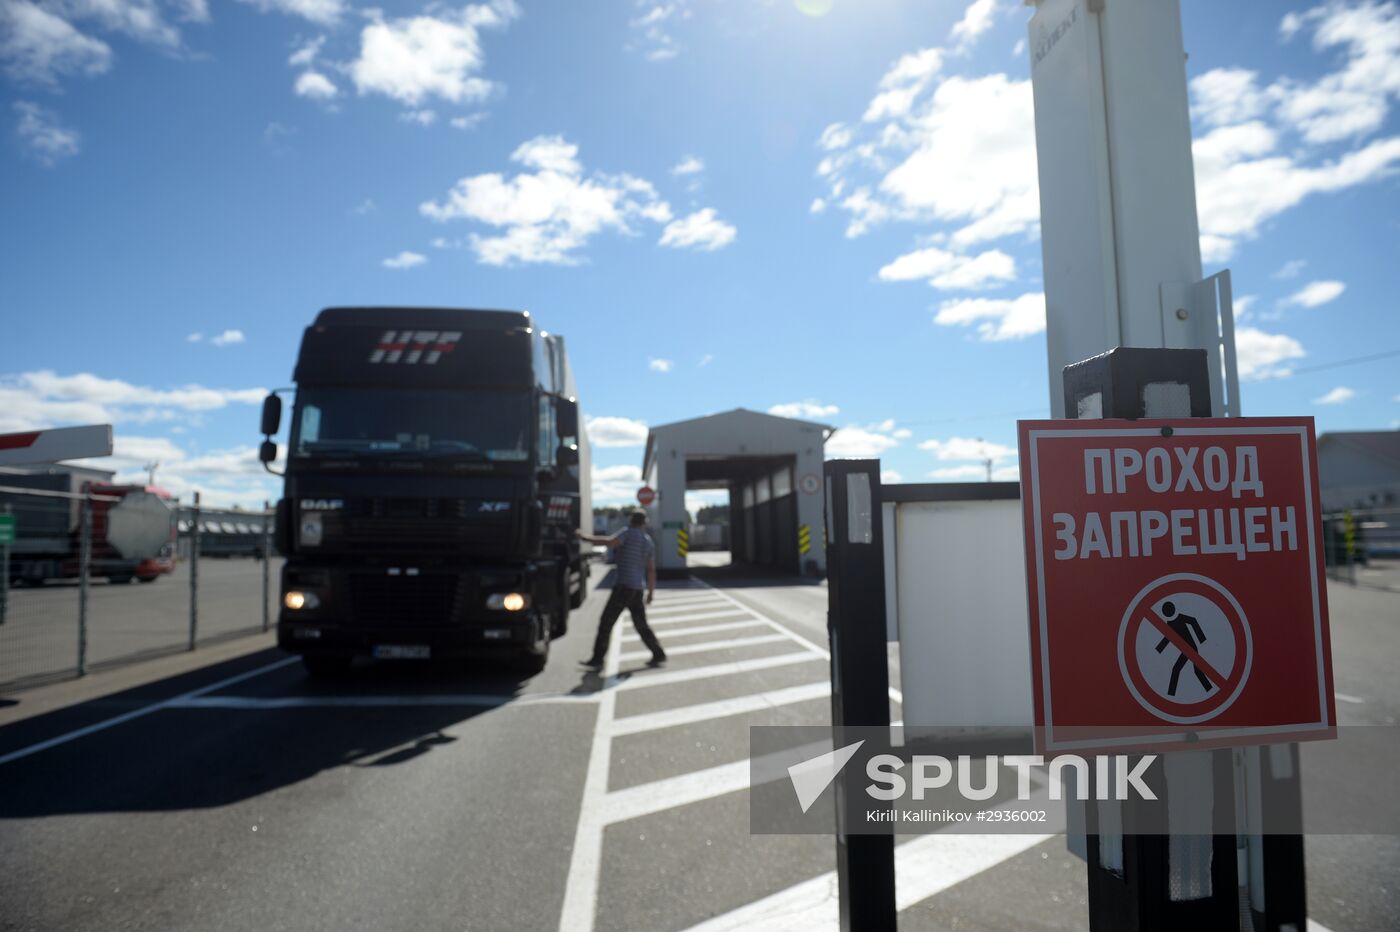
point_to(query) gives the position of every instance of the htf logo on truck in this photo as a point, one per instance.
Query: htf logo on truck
(413, 346)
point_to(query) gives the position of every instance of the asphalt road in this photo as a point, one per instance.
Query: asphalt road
(244, 796)
(40, 634)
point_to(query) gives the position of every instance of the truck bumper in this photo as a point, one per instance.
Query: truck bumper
(367, 612)
(304, 636)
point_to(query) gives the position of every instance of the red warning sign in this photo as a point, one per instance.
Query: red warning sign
(1177, 592)
(646, 495)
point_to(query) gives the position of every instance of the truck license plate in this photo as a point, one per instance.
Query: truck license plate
(403, 652)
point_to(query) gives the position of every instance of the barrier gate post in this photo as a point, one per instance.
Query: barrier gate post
(860, 679)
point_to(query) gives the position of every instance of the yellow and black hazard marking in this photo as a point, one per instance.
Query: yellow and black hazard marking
(804, 540)
(682, 541)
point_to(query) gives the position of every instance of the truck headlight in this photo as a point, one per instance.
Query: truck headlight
(508, 601)
(297, 600)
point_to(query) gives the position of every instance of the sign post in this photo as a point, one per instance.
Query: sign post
(1165, 864)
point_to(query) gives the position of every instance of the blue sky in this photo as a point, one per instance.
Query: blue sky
(718, 202)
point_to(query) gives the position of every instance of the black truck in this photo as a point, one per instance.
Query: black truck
(436, 472)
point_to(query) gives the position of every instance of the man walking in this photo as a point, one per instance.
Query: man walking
(636, 570)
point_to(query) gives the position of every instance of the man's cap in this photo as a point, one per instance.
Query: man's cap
(637, 518)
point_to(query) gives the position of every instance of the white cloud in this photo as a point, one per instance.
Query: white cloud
(891, 476)
(1223, 96)
(316, 86)
(1242, 304)
(470, 121)
(690, 165)
(660, 365)
(1291, 269)
(228, 338)
(956, 449)
(1260, 354)
(38, 46)
(1336, 396)
(1241, 182)
(951, 271)
(321, 12)
(652, 28)
(547, 215)
(616, 485)
(194, 338)
(906, 79)
(616, 432)
(1315, 294)
(963, 155)
(996, 318)
(420, 57)
(48, 140)
(1355, 99)
(705, 360)
(804, 409)
(42, 398)
(405, 260)
(818, 205)
(305, 56)
(966, 473)
(701, 230)
(976, 19)
(420, 117)
(871, 440)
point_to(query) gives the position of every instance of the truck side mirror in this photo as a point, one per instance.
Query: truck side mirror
(271, 417)
(267, 451)
(566, 412)
(567, 455)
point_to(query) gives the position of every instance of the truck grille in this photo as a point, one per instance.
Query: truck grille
(408, 525)
(421, 601)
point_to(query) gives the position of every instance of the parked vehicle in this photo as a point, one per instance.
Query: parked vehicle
(47, 505)
(436, 474)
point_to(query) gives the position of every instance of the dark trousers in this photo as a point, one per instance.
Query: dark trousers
(634, 600)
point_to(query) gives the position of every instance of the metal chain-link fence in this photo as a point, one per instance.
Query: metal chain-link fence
(1362, 547)
(71, 600)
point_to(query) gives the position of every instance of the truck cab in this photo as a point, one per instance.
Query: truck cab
(435, 476)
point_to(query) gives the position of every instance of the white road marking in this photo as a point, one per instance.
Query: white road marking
(665, 678)
(895, 694)
(660, 795)
(726, 644)
(314, 702)
(723, 708)
(680, 604)
(1355, 700)
(926, 866)
(144, 710)
(585, 863)
(702, 616)
(701, 629)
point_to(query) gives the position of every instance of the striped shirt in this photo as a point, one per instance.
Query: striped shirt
(633, 556)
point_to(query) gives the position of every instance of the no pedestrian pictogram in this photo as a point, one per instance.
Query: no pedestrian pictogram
(1185, 648)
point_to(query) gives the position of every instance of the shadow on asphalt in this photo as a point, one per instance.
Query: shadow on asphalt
(197, 758)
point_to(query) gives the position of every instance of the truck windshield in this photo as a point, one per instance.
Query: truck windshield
(355, 422)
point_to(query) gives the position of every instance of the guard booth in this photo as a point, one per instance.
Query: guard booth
(772, 469)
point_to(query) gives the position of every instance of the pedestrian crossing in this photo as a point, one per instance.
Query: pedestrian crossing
(700, 623)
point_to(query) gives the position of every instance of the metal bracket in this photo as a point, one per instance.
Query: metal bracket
(1202, 314)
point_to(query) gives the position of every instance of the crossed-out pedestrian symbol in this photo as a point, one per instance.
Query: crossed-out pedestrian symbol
(1185, 648)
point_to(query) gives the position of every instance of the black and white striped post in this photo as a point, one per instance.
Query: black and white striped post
(860, 679)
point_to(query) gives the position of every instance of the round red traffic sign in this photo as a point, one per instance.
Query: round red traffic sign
(1185, 648)
(646, 495)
